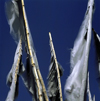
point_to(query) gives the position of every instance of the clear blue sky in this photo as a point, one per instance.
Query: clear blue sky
(63, 19)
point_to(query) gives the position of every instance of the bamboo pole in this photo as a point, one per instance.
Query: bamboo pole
(36, 71)
(30, 52)
(58, 74)
(43, 86)
(18, 61)
(15, 72)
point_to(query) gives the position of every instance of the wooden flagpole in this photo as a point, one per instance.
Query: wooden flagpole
(36, 71)
(43, 86)
(18, 61)
(30, 52)
(58, 74)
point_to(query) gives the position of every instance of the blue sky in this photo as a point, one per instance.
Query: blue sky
(63, 19)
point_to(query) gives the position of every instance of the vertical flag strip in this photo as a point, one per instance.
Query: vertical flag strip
(15, 19)
(29, 79)
(55, 71)
(76, 83)
(33, 59)
(16, 70)
(90, 15)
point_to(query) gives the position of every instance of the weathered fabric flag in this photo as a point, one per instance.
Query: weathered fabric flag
(17, 24)
(97, 46)
(74, 81)
(53, 88)
(15, 19)
(75, 86)
(29, 79)
(16, 70)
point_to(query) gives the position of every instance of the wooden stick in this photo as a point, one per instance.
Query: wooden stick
(18, 61)
(37, 72)
(30, 52)
(43, 86)
(58, 74)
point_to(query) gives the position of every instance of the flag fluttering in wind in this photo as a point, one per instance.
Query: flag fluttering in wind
(53, 84)
(75, 86)
(29, 80)
(88, 89)
(15, 19)
(97, 46)
(16, 70)
(40, 87)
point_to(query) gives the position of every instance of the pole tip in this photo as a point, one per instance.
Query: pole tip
(49, 33)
